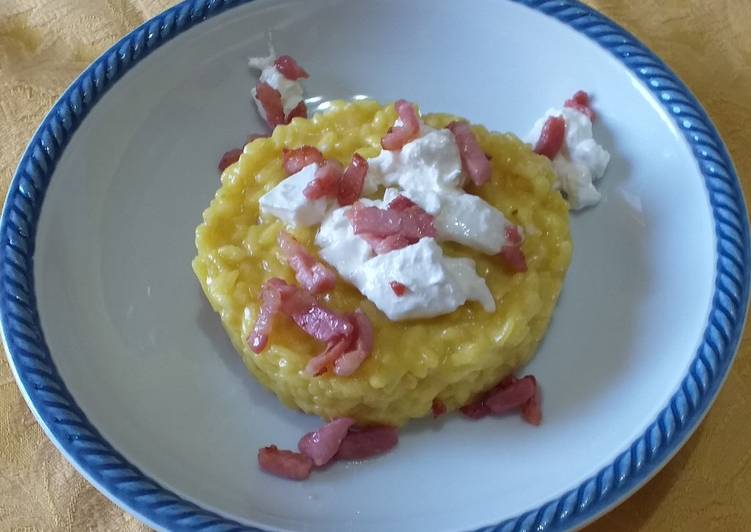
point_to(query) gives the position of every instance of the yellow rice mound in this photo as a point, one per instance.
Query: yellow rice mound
(452, 357)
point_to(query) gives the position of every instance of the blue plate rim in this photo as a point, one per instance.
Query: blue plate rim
(80, 442)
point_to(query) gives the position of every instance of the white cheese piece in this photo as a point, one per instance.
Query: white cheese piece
(428, 164)
(581, 160)
(472, 222)
(435, 284)
(465, 275)
(340, 246)
(287, 202)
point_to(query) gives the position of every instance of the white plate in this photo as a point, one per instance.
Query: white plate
(133, 359)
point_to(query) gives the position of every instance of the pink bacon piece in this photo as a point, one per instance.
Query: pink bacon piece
(350, 361)
(381, 246)
(474, 161)
(510, 394)
(407, 225)
(319, 364)
(312, 275)
(321, 323)
(513, 236)
(374, 221)
(277, 296)
(551, 137)
(366, 443)
(475, 410)
(513, 258)
(285, 464)
(478, 408)
(531, 411)
(321, 445)
(352, 181)
(401, 224)
(271, 302)
(271, 101)
(332, 181)
(299, 111)
(438, 408)
(401, 203)
(580, 102)
(289, 68)
(347, 353)
(511, 253)
(398, 136)
(298, 158)
(326, 181)
(398, 288)
(229, 158)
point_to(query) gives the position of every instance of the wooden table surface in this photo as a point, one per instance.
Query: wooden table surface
(44, 44)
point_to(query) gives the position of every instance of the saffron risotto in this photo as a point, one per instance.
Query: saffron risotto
(453, 357)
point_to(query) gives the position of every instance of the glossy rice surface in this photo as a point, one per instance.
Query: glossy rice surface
(452, 357)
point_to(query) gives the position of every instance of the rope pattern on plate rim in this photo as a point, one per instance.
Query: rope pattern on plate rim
(65, 420)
